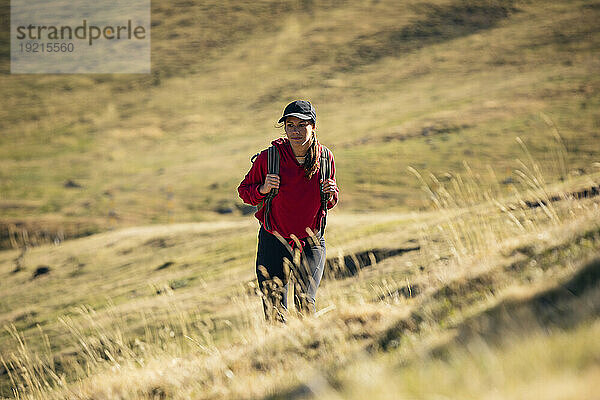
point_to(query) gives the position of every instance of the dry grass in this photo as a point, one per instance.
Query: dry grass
(168, 310)
(183, 344)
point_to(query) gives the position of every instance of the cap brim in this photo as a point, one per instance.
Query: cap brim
(297, 115)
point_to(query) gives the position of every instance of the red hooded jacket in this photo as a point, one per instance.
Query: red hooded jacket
(297, 205)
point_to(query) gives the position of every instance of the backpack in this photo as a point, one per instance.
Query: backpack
(325, 169)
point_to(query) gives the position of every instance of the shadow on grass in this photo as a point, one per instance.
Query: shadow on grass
(564, 306)
(351, 264)
(436, 24)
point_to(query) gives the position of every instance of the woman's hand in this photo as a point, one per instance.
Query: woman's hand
(271, 182)
(329, 186)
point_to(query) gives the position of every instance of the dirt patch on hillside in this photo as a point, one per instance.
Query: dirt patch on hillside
(351, 264)
(584, 193)
(15, 232)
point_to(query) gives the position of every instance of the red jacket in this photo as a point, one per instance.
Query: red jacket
(297, 205)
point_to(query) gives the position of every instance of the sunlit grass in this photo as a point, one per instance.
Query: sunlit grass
(482, 123)
(209, 338)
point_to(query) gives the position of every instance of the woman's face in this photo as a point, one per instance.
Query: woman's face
(299, 131)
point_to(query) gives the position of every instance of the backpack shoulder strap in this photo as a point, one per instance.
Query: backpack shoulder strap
(325, 163)
(325, 171)
(272, 168)
(273, 160)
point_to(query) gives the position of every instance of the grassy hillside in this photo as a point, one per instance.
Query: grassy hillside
(462, 257)
(170, 311)
(421, 84)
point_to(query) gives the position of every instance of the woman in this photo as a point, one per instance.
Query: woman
(290, 239)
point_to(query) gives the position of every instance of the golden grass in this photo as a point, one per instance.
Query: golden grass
(166, 311)
(181, 350)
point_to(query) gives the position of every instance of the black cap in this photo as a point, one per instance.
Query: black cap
(301, 109)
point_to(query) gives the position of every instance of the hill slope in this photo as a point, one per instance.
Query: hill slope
(170, 311)
(427, 84)
(461, 262)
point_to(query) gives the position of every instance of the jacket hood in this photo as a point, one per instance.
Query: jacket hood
(280, 141)
(283, 144)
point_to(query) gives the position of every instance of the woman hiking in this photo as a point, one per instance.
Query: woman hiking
(292, 208)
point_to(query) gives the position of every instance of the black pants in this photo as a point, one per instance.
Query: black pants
(277, 262)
